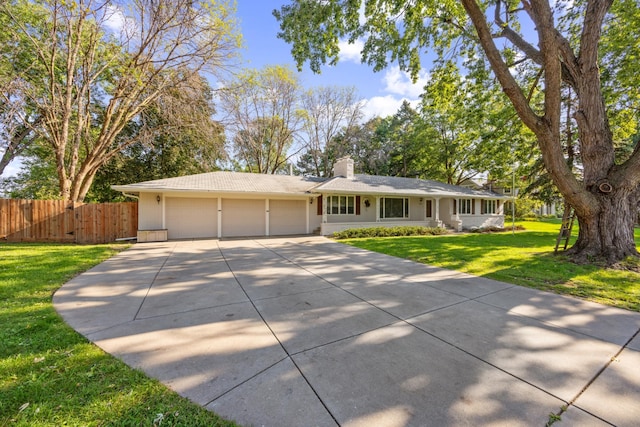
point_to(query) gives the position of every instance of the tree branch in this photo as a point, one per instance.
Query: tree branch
(592, 30)
(500, 68)
(507, 32)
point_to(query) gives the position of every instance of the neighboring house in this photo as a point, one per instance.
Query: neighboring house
(553, 208)
(547, 209)
(233, 204)
(474, 183)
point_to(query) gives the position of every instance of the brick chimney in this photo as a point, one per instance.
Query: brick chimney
(343, 167)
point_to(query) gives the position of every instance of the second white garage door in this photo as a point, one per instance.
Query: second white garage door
(243, 217)
(287, 217)
(191, 218)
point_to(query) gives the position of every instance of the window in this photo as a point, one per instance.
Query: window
(465, 206)
(489, 206)
(394, 207)
(506, 190)
(341, 205)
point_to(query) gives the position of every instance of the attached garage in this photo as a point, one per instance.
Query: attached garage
(287, 217)
(243, 217)
(191, 217)
(227, 204)
(198, 217)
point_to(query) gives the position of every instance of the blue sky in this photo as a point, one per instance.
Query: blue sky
(383, 91)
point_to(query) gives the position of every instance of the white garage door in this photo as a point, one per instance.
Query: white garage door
(243, 217)
(191, 218)
(287, 217)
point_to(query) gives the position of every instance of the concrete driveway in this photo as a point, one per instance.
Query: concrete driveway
(309, 332)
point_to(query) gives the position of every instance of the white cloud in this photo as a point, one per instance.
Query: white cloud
(114, 19)
(350, 52)
(13, 168)
(400, 88)
(384, 106)
(399, 82)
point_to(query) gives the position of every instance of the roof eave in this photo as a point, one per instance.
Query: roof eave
(414, 193)
(134, 189)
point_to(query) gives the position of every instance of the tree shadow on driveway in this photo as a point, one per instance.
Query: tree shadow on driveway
(309, 332)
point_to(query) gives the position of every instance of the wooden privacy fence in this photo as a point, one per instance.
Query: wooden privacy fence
(66, 222)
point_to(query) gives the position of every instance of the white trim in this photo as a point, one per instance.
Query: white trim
(266, 217)
(346, 206)
(219, 217)
(324, 208)
(308, 203)
(470, 205)
(164, 220)
(493, 203)
(406, 203)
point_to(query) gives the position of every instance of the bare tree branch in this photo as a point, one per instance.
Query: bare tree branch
(100, 77)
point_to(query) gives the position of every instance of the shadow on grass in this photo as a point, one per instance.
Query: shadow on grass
(49, 374)
(380, 341)
(524, 258)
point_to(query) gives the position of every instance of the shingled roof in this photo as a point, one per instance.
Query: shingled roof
(227, 182)
(253, 183)
(392, 185)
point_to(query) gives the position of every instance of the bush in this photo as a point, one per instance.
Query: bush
(494, 229)
(354, 233)
(525, 209)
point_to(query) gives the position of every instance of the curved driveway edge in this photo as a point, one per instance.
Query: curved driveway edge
(306, 331)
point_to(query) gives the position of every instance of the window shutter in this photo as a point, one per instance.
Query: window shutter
(357, 205)
(455, 208)
(473, 206)
(319, 205)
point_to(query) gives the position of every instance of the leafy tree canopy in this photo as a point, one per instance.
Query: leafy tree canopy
(537, 51)
(86, 69)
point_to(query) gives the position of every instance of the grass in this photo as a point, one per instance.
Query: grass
(49, 374)
(524, 258)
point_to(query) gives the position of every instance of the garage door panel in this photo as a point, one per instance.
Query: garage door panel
(243, 217)
(191, 218)
(287, 217)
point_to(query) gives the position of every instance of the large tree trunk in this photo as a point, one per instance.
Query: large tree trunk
(606, 198)
(608, 234)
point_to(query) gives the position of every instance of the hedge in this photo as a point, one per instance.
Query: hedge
(353, 233)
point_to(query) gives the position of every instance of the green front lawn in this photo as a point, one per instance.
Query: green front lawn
(49, 374)
(524, 258)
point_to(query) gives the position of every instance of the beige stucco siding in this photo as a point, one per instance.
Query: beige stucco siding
(367, 214)
(416, 209)
(243, 217)
(149, 212)
(191, 217)
(287, 217)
